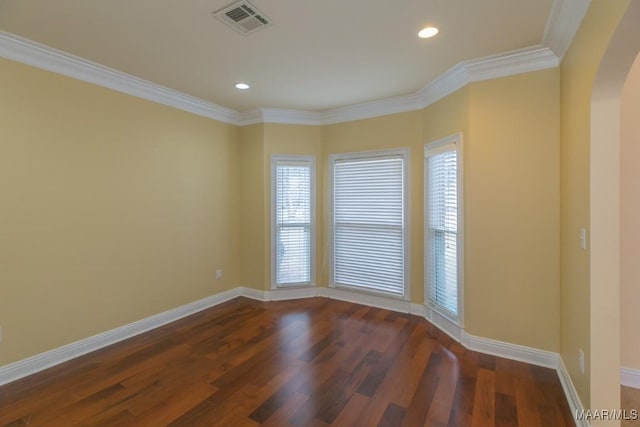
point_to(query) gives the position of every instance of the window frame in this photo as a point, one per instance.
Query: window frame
(457, 141)
(404, 153)
(311, 161)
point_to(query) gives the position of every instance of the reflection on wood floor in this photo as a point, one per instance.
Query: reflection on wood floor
(311, 362)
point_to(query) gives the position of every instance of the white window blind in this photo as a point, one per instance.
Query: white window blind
(369, 223)
(293, 229)
(441, 228)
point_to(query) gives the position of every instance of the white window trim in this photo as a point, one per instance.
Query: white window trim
(311, 160)
(430, 149)
(404, 152)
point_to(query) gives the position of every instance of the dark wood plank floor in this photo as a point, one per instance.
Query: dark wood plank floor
(312, 362)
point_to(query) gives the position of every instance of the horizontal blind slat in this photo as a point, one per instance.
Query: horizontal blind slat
(368, 211)
(293, 222)
(441, 229)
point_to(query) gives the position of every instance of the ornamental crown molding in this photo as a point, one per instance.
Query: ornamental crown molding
(563, 22)
(47, 58)
(562, 25)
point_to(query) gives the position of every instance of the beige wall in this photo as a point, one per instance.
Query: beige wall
(512, 161)
(630, 220)
(250, 197)
(112, 209)
(184, 195)
(511, 177)
(578, 72)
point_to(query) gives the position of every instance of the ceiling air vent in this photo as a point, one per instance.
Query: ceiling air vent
(243, 17)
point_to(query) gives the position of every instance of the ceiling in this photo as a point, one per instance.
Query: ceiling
(317, 54)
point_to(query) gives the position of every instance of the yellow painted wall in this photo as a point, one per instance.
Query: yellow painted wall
(511, 177)
(250, 197)
(116, 208)
(112, 209)
(630, 220)
(578, 72)
(512, 210)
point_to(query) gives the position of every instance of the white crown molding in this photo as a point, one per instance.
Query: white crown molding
(563, 23)
(510, 63)
(40, 56)
(444, 85)
(630, 377)
(519, 61)
(42, 361)
(573, 399)
(249, 117)
(368, 110)
(292, 117)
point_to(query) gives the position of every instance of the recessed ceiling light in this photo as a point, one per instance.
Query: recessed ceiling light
(242, 86)
(427, 32)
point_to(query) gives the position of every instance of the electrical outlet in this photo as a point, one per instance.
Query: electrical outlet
(581, 360)
(0, 333)
(219, 274)
(583, 239)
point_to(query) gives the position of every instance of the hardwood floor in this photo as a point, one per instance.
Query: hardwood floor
(312, 362)
(630, 402)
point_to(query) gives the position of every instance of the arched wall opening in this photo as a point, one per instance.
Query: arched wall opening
(605, 202)
(630, 239)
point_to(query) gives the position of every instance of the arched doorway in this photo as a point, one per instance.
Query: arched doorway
(630, 241)
(605, 210)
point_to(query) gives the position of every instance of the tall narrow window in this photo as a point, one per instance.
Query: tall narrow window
(442, 239)
(369, 222)
(293, 233)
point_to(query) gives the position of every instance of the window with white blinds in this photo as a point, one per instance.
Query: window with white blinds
(293, 220)
(369, 222)
(442, 243)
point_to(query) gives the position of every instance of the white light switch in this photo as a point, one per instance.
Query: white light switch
(583, 239)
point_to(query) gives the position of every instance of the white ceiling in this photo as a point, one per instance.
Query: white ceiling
(317, 54)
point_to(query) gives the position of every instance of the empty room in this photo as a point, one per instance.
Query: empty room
(331, 213)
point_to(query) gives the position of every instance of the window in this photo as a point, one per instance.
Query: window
(369, 217)
(443, 243)
(293, 220)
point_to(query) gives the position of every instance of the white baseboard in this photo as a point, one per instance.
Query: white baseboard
(575, 404)
(517, 352)
(441, 322)
(416, 309)
(255, 294)
(42, 361)
(630, 377)
(280, 294)
(31, 365)
(291, 293)
(393, 304)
